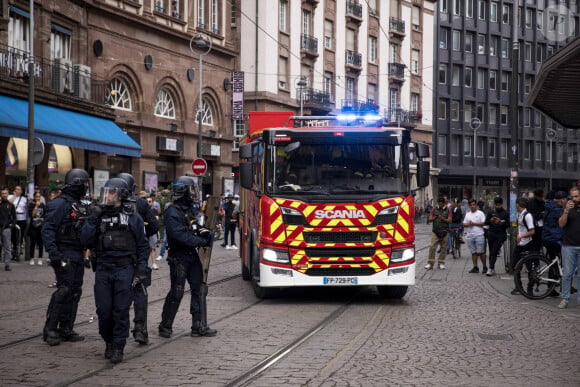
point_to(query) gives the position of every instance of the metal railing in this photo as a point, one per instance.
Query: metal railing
(400, 115)
(353, 58)
(396, 70)
(313, 96)
(397, 24)
(58, 76)
(353, 8)
(308, 43)
(358, 105)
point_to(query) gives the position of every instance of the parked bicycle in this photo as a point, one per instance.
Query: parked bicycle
(536, 276)
(455, 242)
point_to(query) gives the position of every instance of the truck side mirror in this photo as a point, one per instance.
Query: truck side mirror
(423, 168)
(245, 151)
(246, 175)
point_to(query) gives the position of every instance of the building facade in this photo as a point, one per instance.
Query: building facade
(473, 115)
(135, 63)
(319, 56)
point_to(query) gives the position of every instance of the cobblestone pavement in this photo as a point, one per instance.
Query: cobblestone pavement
(453, 328)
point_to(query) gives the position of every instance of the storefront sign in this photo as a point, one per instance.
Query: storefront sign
(238, 95)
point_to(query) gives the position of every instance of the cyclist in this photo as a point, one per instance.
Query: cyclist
(498, 222)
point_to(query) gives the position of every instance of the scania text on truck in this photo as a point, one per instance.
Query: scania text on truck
(327, 201)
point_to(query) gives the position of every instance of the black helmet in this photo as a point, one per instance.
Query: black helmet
(76, 182)
(183, 187)
(114, 192)
(130, 180)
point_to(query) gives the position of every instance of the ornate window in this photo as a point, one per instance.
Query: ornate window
(118, 96)
(206, 114)
(164, 105)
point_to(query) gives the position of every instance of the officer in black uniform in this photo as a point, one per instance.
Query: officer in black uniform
(121, 250)
(61, 236)
(184, 263)
(140, 298)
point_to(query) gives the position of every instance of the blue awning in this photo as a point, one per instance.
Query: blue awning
(58, 126)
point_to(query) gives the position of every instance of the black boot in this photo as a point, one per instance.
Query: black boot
(197, 328)
(67, 333)
(165, 331)
(117, 355)
(140, 334)
(109, 350)
(50, 332)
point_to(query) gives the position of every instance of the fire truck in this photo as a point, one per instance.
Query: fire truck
(327, 201)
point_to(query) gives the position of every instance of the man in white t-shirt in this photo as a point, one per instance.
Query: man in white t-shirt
(473, 223)
(21, 204)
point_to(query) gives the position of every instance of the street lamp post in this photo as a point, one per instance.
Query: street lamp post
(203, 43)
(475, 123)
(551, 136)
(301, 83)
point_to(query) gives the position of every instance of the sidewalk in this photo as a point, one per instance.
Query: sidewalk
(456, 269)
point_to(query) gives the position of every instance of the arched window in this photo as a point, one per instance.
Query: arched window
(118, 96)
(164, 105)
(206, 114)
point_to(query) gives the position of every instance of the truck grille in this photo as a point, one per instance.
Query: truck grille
(350, 252)
(339, 272)
(340, 237)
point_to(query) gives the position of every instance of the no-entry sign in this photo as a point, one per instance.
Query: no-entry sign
(199, 167)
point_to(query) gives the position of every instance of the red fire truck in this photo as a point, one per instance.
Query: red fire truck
(327, 201)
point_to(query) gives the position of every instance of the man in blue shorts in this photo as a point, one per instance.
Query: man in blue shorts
(473, 223)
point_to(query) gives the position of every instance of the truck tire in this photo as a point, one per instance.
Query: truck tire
(392, 292)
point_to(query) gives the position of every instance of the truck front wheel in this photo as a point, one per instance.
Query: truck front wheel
(392, 292)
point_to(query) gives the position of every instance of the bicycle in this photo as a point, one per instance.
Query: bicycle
(455, 242)
(536, 276)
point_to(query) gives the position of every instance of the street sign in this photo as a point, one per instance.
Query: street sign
(199, 167)
(475, 123)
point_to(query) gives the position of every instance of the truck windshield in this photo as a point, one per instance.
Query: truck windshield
(338, 168)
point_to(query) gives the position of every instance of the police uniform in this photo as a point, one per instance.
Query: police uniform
(121, 252)
(61, 236)
(184, 264)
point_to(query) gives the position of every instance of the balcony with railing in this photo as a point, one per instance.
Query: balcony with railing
(397, 70)
(315, 99)
(397, 26)
(400, 116)
(59, 76)
(354, 59)
(309, 45)
(354, 11)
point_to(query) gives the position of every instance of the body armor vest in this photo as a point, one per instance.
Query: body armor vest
(69, 230)
(115, 234)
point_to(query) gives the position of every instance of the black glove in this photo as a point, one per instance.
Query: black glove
(95, 211)
(206, 237)
(204, 233)
(57, 260)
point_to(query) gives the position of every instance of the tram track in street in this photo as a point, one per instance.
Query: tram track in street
(27, 339)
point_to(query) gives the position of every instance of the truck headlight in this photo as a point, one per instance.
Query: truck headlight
(293, 217)
(401, 255)
(275, 255)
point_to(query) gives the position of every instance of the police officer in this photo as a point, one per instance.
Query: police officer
(140, 298)
(121, 251)
(184, 263)
(61, 236)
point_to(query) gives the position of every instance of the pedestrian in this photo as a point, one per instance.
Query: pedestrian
(154, 238)
(7, 221)
(61, 236)
(121, 252)
(441, 218)
(231, 222)
(36, 215)
(498, 222)
(536, 206)
(473, 223)
(570, 222)
(524, 238)
(183, 259)
(144, 206)
(456, 220)
(21, 204)
(552, 233)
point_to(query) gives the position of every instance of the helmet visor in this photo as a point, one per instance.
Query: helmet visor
(110, 196)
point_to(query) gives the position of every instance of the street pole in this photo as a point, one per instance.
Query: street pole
(202, 42)
(514, 130)
(301, 83)
(30, 163)
(475, 123)
(551, 136)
